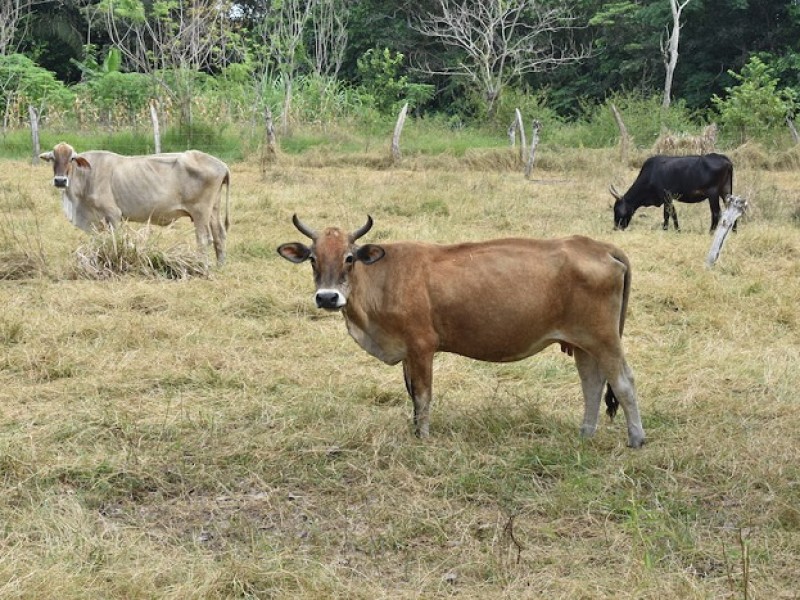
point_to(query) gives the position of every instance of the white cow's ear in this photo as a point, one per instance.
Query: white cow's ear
(46, 156)
(370, 253)
(294, 252)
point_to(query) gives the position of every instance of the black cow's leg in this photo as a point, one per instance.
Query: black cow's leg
(667, 205)
(674, 213)
(418, 374)
(713, 202)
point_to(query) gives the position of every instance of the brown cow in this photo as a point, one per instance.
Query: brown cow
(500, 300)
(101, 188)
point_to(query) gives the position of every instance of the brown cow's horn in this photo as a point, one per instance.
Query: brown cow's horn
(362, 230)
(303, 228)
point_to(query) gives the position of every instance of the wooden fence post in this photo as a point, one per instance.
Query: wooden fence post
(536, 127)
(736, 208)
(156, 131)
(523, 145)
(624, 138)
(34, 134)
(398, 129)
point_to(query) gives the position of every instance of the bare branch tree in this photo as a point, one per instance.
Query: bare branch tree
(671, 51)
(330, 35)
(501, 40)
(12, 13)
(283, 32)
(171, 41)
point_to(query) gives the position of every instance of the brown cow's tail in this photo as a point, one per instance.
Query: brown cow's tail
(612, 403)
(227, 182)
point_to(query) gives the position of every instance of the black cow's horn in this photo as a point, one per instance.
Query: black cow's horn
(361, 230)
(303, 228)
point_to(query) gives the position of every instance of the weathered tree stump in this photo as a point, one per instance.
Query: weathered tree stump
(735, 208)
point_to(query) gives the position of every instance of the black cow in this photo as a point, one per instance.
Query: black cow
(664, 179)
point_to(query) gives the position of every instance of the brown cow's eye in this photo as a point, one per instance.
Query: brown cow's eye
(349, 259)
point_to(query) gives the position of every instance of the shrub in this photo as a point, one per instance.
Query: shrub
(755, 107)
(23, 83)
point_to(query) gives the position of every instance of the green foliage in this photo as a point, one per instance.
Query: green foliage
(379, 72)
(23, 83)
(756, 106)
(644, 119)
(532, 106)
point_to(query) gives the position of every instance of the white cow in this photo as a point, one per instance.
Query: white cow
(101, 188)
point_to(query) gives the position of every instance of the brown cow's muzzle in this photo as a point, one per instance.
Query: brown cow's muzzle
(330, 299)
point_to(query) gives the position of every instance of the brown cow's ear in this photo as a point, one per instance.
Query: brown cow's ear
(46, 156)
(294, 252)
(82, 162)
(370, 253)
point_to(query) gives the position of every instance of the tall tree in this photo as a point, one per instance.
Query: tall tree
(671, 51)
(501, 40)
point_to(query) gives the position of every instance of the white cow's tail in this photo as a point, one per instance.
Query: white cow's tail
(227, 182)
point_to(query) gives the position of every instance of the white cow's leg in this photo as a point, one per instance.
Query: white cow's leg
(219, 234)
(620, 377)
(418, 374)
(202, 233)
(592, 381)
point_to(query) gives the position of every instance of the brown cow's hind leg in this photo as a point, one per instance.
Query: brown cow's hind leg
(620, 377)
(592, 381)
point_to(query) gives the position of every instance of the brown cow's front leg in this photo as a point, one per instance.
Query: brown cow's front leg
(418, 374)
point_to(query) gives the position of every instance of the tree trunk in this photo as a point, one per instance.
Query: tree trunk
(793, 130)
(269, 152)
(287, 106)
(671, 54)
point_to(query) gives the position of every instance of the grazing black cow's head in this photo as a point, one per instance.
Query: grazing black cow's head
(622, 212)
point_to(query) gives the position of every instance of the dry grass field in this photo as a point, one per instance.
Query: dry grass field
(218, 437)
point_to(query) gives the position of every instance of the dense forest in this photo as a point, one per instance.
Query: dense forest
(735, 62)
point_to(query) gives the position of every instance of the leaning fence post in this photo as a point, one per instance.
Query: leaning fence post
(735, 208)
(523, 145)
(34, 134)
(398, 129)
